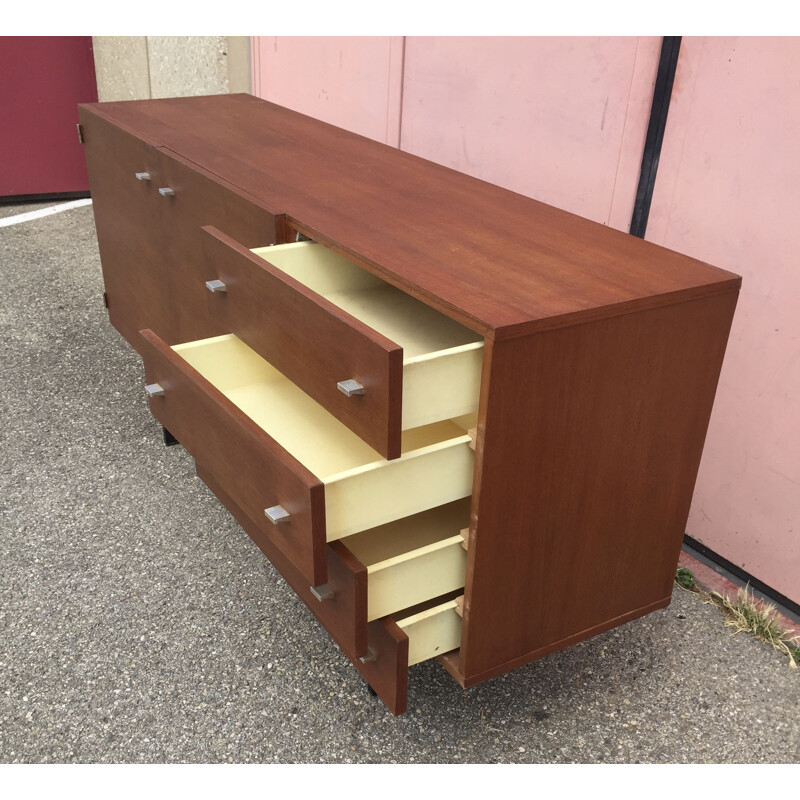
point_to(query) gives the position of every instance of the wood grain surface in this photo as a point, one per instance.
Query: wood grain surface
(139, 290)
(310, 340)
(150, 246)
(202, 199)
(587, 462)
(498, 262)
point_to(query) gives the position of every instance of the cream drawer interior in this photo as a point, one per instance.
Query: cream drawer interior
(413, 559)
(362, 490)
(441, 358)
(432, 632)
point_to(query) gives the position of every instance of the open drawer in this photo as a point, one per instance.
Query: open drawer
(397, 570)
(393, 569)
(414, 559)
(288, 463)
(383, 649)
(431, 632)
(379, 360)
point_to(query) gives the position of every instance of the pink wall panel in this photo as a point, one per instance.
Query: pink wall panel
(562, 120)
(727, 192)
(352, 82)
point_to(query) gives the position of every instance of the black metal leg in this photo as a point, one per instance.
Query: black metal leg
(169, 439)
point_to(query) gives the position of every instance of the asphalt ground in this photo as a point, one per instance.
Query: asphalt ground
(139, 623)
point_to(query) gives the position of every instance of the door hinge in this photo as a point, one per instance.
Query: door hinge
(80, 133)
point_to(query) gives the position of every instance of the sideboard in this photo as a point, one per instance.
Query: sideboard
(461, 423)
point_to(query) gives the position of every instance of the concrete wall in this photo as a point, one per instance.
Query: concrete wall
(142, 67)
(564, 121)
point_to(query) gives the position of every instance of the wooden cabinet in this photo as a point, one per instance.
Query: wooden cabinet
(461, 423)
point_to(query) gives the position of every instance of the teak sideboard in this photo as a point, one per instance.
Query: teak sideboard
(461, 423)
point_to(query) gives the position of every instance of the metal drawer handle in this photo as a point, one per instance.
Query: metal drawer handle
(277, 514)
(216, 286)
(142, 176)
(370, 656)
(323, 592)
(154, 389)
(350, 387)
(165, 191)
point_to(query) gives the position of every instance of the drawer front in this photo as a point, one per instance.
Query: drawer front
(379, 651)
(310, 340)
(255, 471)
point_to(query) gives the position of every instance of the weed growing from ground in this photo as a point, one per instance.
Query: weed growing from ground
(750, 615)
(684, 577)
(747, 614)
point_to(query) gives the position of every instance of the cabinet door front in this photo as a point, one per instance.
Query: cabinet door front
(124, 173)
(188, 198)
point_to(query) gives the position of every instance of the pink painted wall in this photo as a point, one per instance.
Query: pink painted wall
(350, 81)
(728, 192)
(564, 121)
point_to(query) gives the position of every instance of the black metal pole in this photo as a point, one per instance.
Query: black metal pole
(662, 92)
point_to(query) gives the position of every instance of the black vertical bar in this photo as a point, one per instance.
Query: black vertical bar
(662, 92)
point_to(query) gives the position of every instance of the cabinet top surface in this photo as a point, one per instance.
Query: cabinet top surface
(499, 262)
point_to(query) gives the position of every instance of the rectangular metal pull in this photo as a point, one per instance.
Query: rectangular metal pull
(370, 656)
(323, 592)
(142, 176)
(276, 514)
(154, 389)
(165, 191)
(216, 286)
(350, 387)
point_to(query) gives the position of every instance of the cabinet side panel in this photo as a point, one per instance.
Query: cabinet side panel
(590, 451)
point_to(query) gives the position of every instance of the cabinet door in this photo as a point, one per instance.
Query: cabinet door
(123, 172)
(189, 198)
(149, 208)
